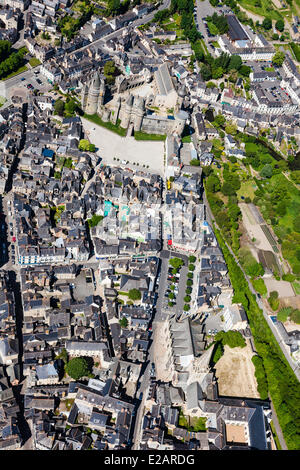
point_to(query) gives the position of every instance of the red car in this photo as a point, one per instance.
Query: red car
(13, 239)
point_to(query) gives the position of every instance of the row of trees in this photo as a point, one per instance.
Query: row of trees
(12, 63)
(5, 48)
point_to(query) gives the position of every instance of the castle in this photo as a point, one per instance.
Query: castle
(131, 113)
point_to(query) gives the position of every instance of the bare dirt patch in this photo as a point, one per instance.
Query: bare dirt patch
(283, 288)
(235, 373)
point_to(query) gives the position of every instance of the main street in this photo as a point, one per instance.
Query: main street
(134, 24)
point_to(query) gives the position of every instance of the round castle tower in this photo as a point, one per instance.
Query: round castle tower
(93, 95)
(127, 112)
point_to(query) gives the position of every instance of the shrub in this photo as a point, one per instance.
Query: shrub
(233, 339)
(259, 286)
(284, 313)
(295, 316)
(273, 300)
(77, 367)
(123, 322)
(134, 294)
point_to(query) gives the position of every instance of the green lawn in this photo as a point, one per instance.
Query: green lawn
(138, 135)
(296, 286)
(247, 189)
(108, 125)
(267, 9)
(34, 62)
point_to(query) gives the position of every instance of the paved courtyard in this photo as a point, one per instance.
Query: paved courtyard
(112, 146)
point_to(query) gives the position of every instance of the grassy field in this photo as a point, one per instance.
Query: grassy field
(247, 189)
(143, 136)
(267, 9)
(173, 24)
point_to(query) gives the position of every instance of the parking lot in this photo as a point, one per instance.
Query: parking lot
(21, 82)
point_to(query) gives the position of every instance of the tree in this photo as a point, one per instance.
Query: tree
(267, 171)
(70, 107)
(176, 262)
(86, 146)
(245, 70)
(227, 189)
(77, 367)
(192, 259)
(231, 129)
(217, 73)
(273, 300)
(279, 25)
(278, 58)
(110, 71)
(267, 24)
(59, 107)
(219, 120)
(123, 322)
(213, 183)
(205, 72)
(134, 294)
(5, 48)
(235, 62)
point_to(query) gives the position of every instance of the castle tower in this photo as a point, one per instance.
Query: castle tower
(181, 96)
(127, 112)
(138, 111)
(93, 95)
(180, 122)
(84, 96)
(102, 93)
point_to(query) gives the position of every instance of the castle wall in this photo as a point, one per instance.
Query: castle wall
(161, 126)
